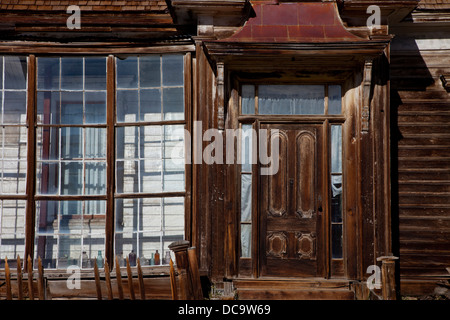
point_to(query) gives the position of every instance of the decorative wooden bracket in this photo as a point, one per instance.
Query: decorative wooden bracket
(220, 95)
(365, 112)
(445, 78)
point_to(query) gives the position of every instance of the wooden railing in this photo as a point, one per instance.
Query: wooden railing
(183, 280)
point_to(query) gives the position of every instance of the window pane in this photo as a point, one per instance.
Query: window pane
(95, 74)
(246, 240)
(15, 72)
(12, 232)
(95, 107)
(248, 99)
(95, 143)
(127, 106)
(72, 178)
(172, 66)
(66, 233)
(72, 73)
(48, 178)
(48, 107)
(150, 142)
(13, 141)
(336, 149)
(334, 99)
(150, 105)
(71, 143)
(95, 178)
(247, 148)
(291, 99)
(246, 198)
(15, 107)
(48, 73)
(150, 71)
(48, 143)
(147, 226)
(127, 142)
(127, 215)
(336, 199)
(173, 214)
(127, 72)
(173, 103)
(151, 176)
(152, 214)
(72, 107)
(336, 240)
(1, 73)
(127, 177)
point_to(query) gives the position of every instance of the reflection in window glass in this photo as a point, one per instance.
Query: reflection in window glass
(13, 120)
(334, 99)
(291, 99)
(148, 225)
(154, 93)
(150, 159)
(12, 230)
(70, 232)
(247, 144)
(248, 99)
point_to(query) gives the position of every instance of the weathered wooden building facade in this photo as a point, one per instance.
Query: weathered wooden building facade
(120, 134)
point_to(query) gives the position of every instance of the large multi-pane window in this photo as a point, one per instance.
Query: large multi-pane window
(74, 122)
(149, 155)
(13, 154)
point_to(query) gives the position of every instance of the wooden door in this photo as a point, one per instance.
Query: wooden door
(291, 224)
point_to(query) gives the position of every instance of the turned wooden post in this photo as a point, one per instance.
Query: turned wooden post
(388, 277)
(182, 262)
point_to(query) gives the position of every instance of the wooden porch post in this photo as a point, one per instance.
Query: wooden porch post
(182, 262)
(388, 277)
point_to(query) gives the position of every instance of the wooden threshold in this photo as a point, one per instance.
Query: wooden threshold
(293, 289)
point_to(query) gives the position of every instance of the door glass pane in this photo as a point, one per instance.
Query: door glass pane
(246, 197)
(247, 148)
(334, 99)
(248, 99)
(291, 99)
(336, 240)
(246, 243)
(336, 149)
(336, 199)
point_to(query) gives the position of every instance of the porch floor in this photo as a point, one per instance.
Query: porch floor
(293, 289)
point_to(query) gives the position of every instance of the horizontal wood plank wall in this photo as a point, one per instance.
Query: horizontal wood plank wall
(421, 164)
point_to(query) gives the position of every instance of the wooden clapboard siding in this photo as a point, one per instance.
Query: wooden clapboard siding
(421, 165)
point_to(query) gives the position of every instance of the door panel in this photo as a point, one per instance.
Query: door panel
(290, 220)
